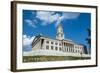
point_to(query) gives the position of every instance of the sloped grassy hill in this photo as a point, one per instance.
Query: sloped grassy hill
(50, 58)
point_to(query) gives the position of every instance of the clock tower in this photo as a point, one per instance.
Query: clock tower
(59, 34)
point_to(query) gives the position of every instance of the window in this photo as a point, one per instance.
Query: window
(52, 47)
(78, 51)
(59, 44)
(70, 49)
(47, 47)
(78, 47)
(61, 35)
(64, 43)
(61, 30)
(60, 48)
(66, 49)
(47, 41)
(56, 43)
(56, 48)
(73, 50)
(51, 42)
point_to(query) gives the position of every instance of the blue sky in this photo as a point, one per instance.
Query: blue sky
(45, 22)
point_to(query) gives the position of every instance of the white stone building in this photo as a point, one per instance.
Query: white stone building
(60, 46)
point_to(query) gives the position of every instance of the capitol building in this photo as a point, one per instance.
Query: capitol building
(60, 46)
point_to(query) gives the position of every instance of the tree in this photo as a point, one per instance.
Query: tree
(88, 39)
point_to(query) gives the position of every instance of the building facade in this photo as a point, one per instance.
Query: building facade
(57, 47)
(60, 46)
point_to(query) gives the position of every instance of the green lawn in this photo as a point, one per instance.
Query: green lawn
(50, 58)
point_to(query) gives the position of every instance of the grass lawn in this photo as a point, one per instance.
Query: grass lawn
(50, 58)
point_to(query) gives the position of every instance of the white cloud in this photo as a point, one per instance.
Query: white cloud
(47, 17)
(30, 23)
(27, 40)
(67, 15)
(70, 15)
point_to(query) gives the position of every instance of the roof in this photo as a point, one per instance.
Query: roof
(40, 35)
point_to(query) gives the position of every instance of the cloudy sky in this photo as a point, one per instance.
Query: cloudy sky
(45, 22)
